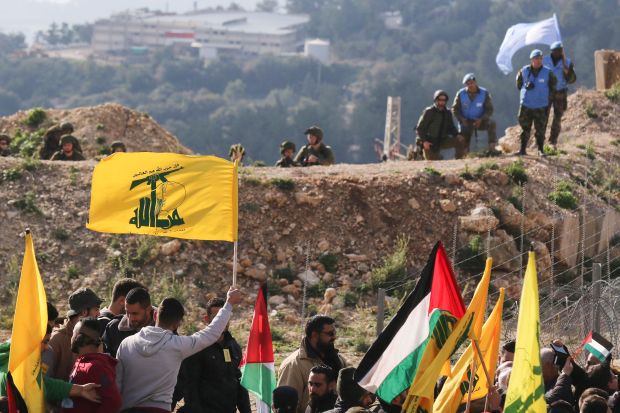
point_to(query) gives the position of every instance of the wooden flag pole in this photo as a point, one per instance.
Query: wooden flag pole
(472, 374)
(234, 284)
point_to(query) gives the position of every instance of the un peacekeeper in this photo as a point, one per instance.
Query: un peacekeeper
(563, 69)
(436, 129)
(118, 146)
(51, 140)
(5, 142)
(68, 143)
(536, 83)
(287, 150)
(473, 109)
(315, 152)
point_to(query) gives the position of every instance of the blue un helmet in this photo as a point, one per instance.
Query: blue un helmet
(536, 53)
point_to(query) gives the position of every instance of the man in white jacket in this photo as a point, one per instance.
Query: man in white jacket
(149, 361)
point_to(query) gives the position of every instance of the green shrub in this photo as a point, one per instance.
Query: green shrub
(104, 150)
(590, 112)
(286, 273)
(259, 164)
(277, 334)
(26, 144)
(484, 167)
(394, 267)
(28, 203)
(73, 272)
(467, 175)
(100, 126)
(35, 117)
(471, 257)
(329, 261)
(615, 142)
(580, 146)
(432, 171)
(563, 196)
(11, 174)
(144, 251)
(317, 290)
(613, 94)
(100, 140)
(252, 181)
(590, 154)
(516, 172)
(60, 234)
(361, 344)
(550, 150)
(351, 299)
(283, 183)
(250, 207)
(30, 164)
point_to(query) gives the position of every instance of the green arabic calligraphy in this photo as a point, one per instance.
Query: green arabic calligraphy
(147, 213)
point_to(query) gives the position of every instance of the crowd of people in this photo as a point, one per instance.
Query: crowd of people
(128, 357)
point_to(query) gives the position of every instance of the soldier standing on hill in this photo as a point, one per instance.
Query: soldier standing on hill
(436, 129)
(5, 142)
(315, 152)
(562, 68)
(536, 83)
(473, 109)
(68, 143)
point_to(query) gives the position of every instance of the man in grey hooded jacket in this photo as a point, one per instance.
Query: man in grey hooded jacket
(149, 361)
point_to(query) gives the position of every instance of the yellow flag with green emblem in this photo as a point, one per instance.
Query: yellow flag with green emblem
(455, 389)
(29, 327)
(166, 194)
(526, 390)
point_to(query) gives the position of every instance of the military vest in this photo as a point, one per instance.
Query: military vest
(538, 96)
(558, 71)
(472, 109)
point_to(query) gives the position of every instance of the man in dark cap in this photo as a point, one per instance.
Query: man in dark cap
(284, 399)
(83, 302)
(51, 139)
(287, 150)
(351, 396)
(436, 129)
(68, 151)
(473, 108)
(563, 69)
(315, 152)
(5, 142)
(118, 146)
(536, 83)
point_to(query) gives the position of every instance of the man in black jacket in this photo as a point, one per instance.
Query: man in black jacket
(210, 379)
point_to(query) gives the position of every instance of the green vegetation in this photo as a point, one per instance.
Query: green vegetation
(250, 207)
(26, 144)
(329, 261)
(432, 171)
(394, 266)
(35, 117)
(563, 196)
(590, 154)
(489, 165)
(251, 181)
(100, 140)
(471, 257)
(60, 234)
(550, 150)
(590, 112)
(283, 183)
(613, 94)
(466, 174)
(73, 272)
(28, 203)
(516, 196)
(516, 172)
(259, 164)
(286, 273)
(11, 174)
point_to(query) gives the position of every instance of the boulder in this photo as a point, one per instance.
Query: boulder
(256, 273)
(447, 205)
(309, 277)
(276, 198)
(494, 177)
(543, 259)
(276, 300)
(413, 203)
(481, 219)
(452, 179)
(170, 247)
(303, 198)
(356, 257)
(323, 245)
(291, 289)
(504, 251)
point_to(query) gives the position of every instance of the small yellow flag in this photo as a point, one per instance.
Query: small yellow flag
(166, 194)
(29, 325)
(421, 393)
(455, 389)
(526, 390)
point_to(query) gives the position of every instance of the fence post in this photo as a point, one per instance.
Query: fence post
(596, 296)
(380, 310)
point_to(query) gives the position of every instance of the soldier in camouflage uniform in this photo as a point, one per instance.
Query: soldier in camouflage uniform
(51, 140)
(5, 142)
(536, 83)
(118, 146)
(436, 130)
(287, 150)
(315, 152)
(563, 69)
(68, 144)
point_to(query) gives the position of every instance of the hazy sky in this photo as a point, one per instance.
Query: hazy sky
(29, 16)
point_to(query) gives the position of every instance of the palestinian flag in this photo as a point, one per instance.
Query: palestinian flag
(257, 370)
(597, 345)
(390, 365)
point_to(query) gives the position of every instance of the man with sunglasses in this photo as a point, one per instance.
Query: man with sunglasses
(317, 347)
(436, 129)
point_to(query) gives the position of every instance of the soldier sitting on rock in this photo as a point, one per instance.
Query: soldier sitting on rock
(51, 140)
(287, 150)
(315, 152)
(5, 142)
(68, 152)
(118, 146)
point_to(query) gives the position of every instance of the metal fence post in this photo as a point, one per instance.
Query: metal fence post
(380, 310)
(596, 296)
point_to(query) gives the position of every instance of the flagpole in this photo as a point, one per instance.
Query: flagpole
(234, 284)
(472, 374)
(484, 367)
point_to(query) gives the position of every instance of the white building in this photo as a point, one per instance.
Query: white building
(212, 32)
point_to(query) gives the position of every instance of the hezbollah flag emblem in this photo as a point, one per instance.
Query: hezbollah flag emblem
(166, 194)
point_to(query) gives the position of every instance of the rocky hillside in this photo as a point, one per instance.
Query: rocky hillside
(345, 220)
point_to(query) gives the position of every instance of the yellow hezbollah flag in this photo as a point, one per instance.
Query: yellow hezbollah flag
(526, 390)
(167, 194)
(29, 325)
(455, 389)
(421, 393)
